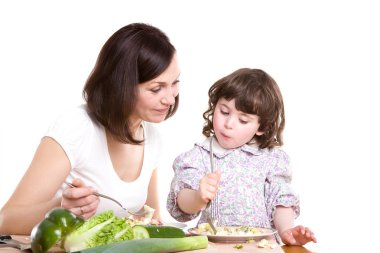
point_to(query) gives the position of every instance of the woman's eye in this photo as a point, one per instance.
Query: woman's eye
(155, 90)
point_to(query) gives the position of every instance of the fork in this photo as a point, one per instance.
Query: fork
(209, 219)
(142, 213)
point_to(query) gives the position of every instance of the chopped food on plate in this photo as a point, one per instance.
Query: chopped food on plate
(204, 228)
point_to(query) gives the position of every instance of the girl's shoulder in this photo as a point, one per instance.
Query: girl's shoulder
(275, 152)
(277, 160)
(274, 155)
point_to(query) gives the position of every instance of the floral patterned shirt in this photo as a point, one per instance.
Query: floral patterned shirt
(253, 182)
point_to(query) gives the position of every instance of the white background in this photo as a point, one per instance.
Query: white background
(324, 56)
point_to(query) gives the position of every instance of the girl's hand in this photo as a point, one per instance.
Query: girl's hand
(298, 235)
(80, 200)
(208, 186)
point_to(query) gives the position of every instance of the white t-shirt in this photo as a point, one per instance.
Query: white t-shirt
(84, 141)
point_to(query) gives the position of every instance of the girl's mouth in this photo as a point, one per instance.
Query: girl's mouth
(225, 136)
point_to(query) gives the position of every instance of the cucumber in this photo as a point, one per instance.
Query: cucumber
(152, 245)
(150, 231)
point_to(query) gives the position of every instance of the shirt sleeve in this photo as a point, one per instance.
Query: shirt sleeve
(278, 191)
(188, 171)
(72, 131)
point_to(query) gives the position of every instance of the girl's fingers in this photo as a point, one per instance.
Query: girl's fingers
(301, 235)
(212, 181)
(287, 237)
(310, 234)
(215, 175)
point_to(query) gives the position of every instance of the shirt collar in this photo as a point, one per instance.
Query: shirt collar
(222, 152)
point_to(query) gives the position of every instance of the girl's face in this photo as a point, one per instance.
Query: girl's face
(233, 128)
(157, 95)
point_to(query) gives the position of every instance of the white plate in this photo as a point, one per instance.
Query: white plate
(175, 224)
(265, 232)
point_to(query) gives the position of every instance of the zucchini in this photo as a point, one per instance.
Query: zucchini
(150, 231)
(152, 245)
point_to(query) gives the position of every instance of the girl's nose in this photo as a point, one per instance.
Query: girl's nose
(229, 123)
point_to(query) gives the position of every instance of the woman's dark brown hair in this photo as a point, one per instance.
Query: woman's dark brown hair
(134, 54)
(255, 92)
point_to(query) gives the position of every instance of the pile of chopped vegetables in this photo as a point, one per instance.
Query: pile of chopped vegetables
(204, 228)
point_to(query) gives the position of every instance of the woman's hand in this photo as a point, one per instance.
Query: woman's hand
(80, 199)
(208, 186)
(298, 235)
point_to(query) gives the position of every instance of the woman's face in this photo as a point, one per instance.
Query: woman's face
(233, 128)
(156, 96)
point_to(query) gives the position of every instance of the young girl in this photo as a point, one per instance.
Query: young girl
(250, 184)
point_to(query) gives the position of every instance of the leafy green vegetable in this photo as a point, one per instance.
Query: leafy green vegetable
(101, 229)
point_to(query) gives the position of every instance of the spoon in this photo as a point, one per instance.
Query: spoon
(142, 213)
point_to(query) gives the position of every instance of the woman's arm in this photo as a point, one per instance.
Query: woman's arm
(35, 194)
(153, 198)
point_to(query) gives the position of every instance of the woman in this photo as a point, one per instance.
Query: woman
(109, 144)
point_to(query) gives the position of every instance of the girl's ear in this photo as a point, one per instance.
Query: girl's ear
(259, 133)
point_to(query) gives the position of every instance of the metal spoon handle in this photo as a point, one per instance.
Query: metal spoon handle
(112, 199)
(99, 195)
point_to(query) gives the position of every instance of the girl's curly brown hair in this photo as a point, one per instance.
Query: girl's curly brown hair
(255, 92)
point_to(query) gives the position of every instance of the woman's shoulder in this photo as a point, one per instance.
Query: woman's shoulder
(77, 112)
(73, 120)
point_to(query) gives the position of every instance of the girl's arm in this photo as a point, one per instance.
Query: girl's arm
(290, 235)
(283, 218)
(191, 201)
(35, 193)
(153, 198)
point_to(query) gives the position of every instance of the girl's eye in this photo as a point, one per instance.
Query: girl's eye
(223, 112)
(243, 121)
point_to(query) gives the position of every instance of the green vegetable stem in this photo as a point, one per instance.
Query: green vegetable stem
(58, 223)
(152, 245)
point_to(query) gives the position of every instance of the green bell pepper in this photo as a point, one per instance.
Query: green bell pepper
(58, 223)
